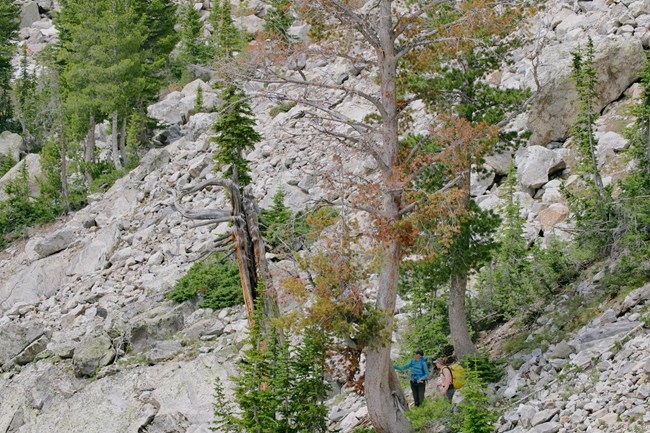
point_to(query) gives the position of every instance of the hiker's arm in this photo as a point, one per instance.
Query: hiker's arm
(446, 380)
(402, 367)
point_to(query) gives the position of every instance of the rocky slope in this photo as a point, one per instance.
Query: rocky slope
(88, 343)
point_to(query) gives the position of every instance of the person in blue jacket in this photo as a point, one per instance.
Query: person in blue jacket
(419, 375)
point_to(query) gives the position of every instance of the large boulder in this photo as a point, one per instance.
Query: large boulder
(93, 352)
(250, 23)
(153, 160)
(176, 107)
(536, 163)
(32, 162)
(94, 255)
(170, 110)
(553, 215)
(14, 339)
(29, 14)
(618, 63)
(11, 144)
(57, 241)
(31, 284)
(154, 325)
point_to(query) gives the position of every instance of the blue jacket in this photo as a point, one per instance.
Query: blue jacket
(419, 369)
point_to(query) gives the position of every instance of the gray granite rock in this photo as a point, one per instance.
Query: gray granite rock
(92, 353)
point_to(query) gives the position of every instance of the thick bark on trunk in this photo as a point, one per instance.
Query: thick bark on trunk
(384, 395)
(458, 316)
(89, 150)
(125, 156)
(114, 143)
(457, 312)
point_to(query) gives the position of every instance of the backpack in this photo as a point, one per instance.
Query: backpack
(457, 375)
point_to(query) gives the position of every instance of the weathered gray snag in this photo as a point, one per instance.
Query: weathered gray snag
(247, 241)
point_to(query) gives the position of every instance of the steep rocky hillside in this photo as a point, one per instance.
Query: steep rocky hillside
(89, 344)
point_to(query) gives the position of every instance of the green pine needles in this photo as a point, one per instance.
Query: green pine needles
(9, 23)
(194, 49)
(505, 282)
(280, 387)
(592, 205)
(283, 231)
(215, 280)
(235, 135)
(226, 39)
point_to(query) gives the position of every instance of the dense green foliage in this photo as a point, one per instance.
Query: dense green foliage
(226, 39)
(194, 49)
(215, 280)
(20, 211)
(474, 414)
(280, 387)
(428, 319)
(235, 134)
(504, 283)
(9, 20)
(632, 235)
(591, 204)
(113, 57)
(283, 231)
(6, 163)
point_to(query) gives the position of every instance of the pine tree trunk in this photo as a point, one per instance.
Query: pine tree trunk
(457, 312)
(458, 316)
(63, 148)
(89, 150)
(125, 156)
(383, 392)
(384, 395)
(114, 143)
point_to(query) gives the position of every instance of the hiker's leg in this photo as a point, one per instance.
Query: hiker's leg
(422, 389)
(414, 391)
(450, 392)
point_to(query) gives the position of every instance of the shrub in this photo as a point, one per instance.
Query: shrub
(430, 414)
(486, 370)
(475, 414)
(20, 211)
(215, 279)
(6, 163)
(285, 232)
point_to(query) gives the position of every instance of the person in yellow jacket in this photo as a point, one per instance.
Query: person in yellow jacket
(445, 385)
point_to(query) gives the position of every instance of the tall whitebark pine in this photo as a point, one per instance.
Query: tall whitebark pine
(378, 35)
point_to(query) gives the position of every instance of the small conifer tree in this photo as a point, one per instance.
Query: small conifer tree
(278, 390)
(593, 204)
(193, 48)
(235, 134)
(226, 38)
(9, 23)
(505, 280)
